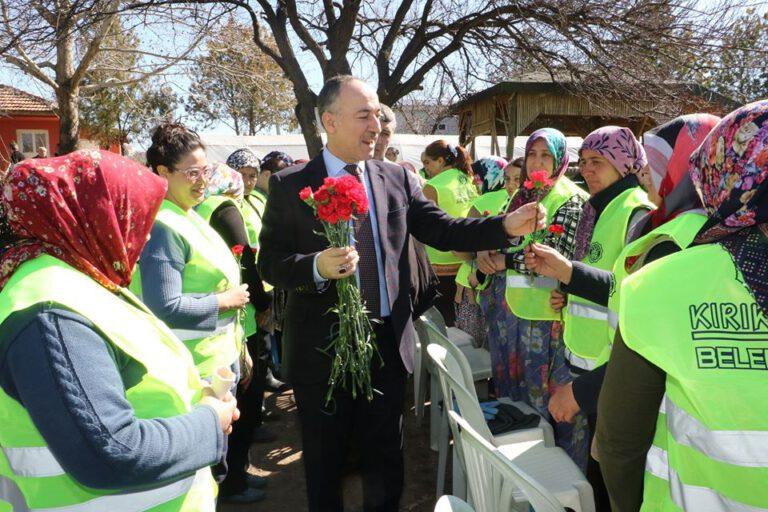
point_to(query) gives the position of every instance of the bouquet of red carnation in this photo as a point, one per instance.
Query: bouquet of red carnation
(352, 346)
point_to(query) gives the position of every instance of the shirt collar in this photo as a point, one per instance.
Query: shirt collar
(335, 165)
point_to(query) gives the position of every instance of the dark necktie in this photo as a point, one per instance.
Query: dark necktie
(364, 243)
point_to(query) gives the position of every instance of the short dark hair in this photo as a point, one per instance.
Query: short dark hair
(388, 116)
(330, 92)
(170, 143)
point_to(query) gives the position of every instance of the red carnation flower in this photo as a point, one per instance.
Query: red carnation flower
(237, 250)
(305, 193)
(538, 180)
(556, 229)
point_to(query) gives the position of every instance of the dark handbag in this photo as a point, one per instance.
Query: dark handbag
(424, 281)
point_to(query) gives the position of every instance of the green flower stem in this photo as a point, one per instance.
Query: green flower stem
(352, 346)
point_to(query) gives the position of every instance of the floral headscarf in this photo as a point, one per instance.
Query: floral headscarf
(557, 145)
(225, 181)
(243, 157)
(668, 148)
(730, 173)
(91, 209)
(490, 171)
(619, 146)
(276, 156)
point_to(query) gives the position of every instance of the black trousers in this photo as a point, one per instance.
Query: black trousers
(249, 401)
(376, 428)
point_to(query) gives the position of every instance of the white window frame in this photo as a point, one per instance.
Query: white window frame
(33, 132)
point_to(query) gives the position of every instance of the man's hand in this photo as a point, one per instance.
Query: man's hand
(337, 263)
(523, 220)
(562, 404)
(548, 262)
(557, 300)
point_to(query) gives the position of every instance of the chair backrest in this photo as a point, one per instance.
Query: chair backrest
(433, 315)
(452, 504)
(469, 406)
(436, 335)
(493, 478)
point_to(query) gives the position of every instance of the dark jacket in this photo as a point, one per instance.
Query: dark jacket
(290, 239)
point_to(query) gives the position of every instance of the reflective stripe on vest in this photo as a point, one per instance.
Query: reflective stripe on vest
(586, 323)
(521, 281)
(532, 302)
(613, 320)
(587, 310)
(691, 498)
(37, 461)
(138, 501)
(580, 362)
(739, 447)
(223, 325)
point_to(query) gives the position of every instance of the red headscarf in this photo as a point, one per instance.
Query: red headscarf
(91, 209)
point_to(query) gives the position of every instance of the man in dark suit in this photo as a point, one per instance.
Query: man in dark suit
(294, 257)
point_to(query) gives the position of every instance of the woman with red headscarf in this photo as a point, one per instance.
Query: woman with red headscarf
(100, 403)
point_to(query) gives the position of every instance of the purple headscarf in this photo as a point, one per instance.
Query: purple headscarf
(619, 146)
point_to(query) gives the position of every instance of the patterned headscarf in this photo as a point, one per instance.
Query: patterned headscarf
(619, 146)
(557, 145)
(243, 157)
(730, 171)
(225, 181)
(669, 147)
(490, 171)
(277, 156)
(90, 209)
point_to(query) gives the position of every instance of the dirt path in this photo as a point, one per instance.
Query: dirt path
(281, 462)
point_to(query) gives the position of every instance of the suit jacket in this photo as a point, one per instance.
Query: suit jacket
(289, 240)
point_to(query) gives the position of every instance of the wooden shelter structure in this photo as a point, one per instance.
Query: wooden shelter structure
(535, 100)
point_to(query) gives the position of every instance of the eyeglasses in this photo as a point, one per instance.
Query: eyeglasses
(195, 173)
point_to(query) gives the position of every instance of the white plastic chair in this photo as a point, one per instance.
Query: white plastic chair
(421, 363)
(452, 370)
(452, 504)
(478, 368)
(508, 476)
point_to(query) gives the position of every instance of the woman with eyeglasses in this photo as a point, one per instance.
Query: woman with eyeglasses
(188, 275)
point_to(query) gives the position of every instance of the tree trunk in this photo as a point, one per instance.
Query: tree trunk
(68, 98)
(305, 113)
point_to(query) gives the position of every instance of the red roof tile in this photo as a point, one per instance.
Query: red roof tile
(14, 100)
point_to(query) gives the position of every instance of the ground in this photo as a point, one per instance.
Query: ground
(281, 462)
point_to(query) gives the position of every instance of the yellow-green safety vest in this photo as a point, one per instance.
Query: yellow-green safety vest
(253, 212)
(31, 479)
(692, 315)
(205, 210)
(211, 269)
(455, 193)
(494, 203)
(681, 231)
(531, 300)
(585, 321)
